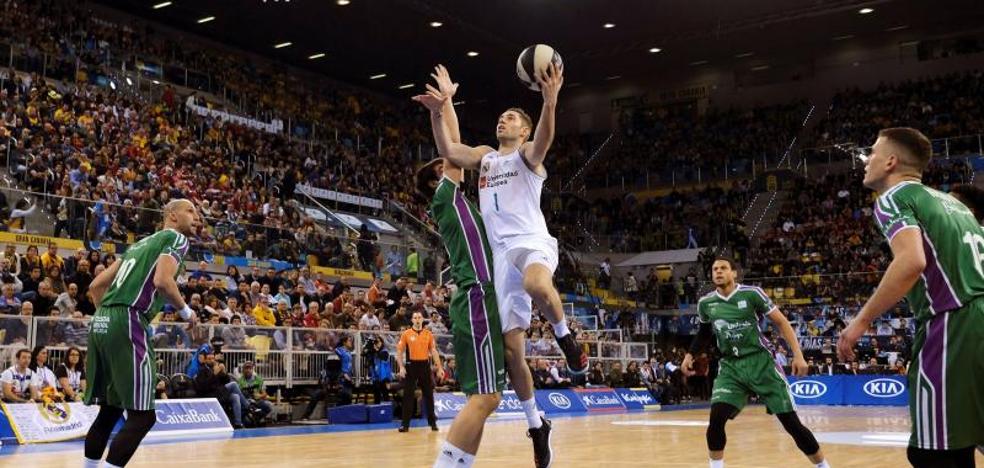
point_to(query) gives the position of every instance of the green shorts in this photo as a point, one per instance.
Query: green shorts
(946, 380)
(755, 374)
(477, 336)
(121, 369)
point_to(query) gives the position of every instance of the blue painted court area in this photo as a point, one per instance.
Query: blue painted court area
(419, 424)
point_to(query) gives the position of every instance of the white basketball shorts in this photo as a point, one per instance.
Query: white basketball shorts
(510, 260)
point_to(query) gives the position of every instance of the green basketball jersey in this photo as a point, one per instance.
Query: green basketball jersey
(735, 319)
(460, 224)
(952, 240)
(133, 285)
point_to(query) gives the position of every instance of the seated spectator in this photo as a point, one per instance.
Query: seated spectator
(616, 378)
(211, 381)
(9, 303)
(18, 381)
(255, 390)
(631, 377)
(76, 330)
(235, 335)
(71, 375)
(561, 375)
(68, 300)
(597, 375)
(168, 333)
(44, 378)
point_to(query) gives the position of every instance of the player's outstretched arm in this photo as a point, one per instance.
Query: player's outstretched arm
(909, 261)
(550, 83)
(798, 364)
(101, 283)
(458, 154)
(448, 88)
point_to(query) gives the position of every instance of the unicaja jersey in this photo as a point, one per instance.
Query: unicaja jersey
(463, 233)
(133, 285)
(509, 195)
(735, 319)
(952, 240)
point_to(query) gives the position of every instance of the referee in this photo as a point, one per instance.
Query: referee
(419, 343)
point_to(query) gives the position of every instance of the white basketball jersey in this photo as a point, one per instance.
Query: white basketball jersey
(509, 197)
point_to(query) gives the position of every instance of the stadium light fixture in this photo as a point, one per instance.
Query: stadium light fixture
(612, 78)
(316, 56)
(608, 25)
(436, 24)
(206, 19)
(342, 2)
(162, 5)
(129, 82)
(283, 44)
(698, 63)
(897, 28)
(406, 86)
(761, 67)
(744, 54)
(655, 50)
(843, 37)
(865, 11)
(376, 77)
(472, 53)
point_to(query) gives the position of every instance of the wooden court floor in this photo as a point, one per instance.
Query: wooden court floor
(659, 439)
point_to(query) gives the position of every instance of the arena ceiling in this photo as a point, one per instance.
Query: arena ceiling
(367, 38)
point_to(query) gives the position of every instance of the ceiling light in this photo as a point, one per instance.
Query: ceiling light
(844, 37)
(613, 77)
(655, 50)
(897, 28)
(128, 81)
(472, 53)
(408, 85)
(112, 84)
(156, 82)
(745, 54)
(282, 45)
(206, 19)
(608, 25)
(343, 2)
(457, 103)
(865, 11)
(699, 62)
(376, 77)
(760, 68)
(316, 56)
(162, 5)
(436, 24)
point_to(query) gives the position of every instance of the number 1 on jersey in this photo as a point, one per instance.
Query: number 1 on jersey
(495, 198)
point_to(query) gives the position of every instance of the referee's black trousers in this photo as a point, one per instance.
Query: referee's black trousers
(418, 373)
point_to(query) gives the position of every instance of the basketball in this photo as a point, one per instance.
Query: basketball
(534, 60)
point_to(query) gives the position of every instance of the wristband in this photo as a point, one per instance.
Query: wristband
(186, 312)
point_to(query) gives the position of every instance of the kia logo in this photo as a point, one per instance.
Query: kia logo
(808, 388)
(559, 400)
(884, 388)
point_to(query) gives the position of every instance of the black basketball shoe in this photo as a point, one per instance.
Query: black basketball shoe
(577, 361)
(542, 452)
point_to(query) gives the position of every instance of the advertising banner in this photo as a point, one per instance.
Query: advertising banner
(867, 390)
(599, 400)
(559, 402)
(637, 398)
(49, 422)
(191, 416)
(448, 405)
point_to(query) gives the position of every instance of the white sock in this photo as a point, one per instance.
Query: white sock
(717, 463)
(110, 465)
(90, 463)
(823, 464)
(532, 415)
(560, 328)
(453, 457)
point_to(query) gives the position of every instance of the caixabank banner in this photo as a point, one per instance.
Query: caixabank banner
(600, 400)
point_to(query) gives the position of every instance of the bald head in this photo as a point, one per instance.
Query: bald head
(173, 205)
(181, 215)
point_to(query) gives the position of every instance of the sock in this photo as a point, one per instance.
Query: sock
(90, 463)
(453, 457)
(110, 465)
(560, 328)
(717, 463)
(532, 415)
(823, 464)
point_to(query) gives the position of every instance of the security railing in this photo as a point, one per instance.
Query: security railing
(285, 356)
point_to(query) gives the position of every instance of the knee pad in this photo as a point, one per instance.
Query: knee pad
(716, 436)
(804, 439)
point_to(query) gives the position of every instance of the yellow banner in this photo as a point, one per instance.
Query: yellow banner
(42, 242)
(361, 275)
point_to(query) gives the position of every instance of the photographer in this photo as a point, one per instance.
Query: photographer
(334, 380)
(212, 380)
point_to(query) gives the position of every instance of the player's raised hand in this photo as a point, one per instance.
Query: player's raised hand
(443, 79)
(433, 100)
(550, 82)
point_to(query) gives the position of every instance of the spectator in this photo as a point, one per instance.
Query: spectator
(71, 375)
(18, 381)
(413, 264)
(42, 377)
(210, 382)
(369, 320)
(255, 390)
(605, 274)
(615, 376)
(597, 375)
(631, 287)
(235, 335)
(51, 258)
(76, 330)
(394, 263)
(631, 377)
(9, 303)
(168, 334)
(67, 301)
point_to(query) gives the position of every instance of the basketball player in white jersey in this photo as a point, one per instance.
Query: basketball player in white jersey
(524, 253)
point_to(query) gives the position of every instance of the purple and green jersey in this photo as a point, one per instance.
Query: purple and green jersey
(133, 285)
